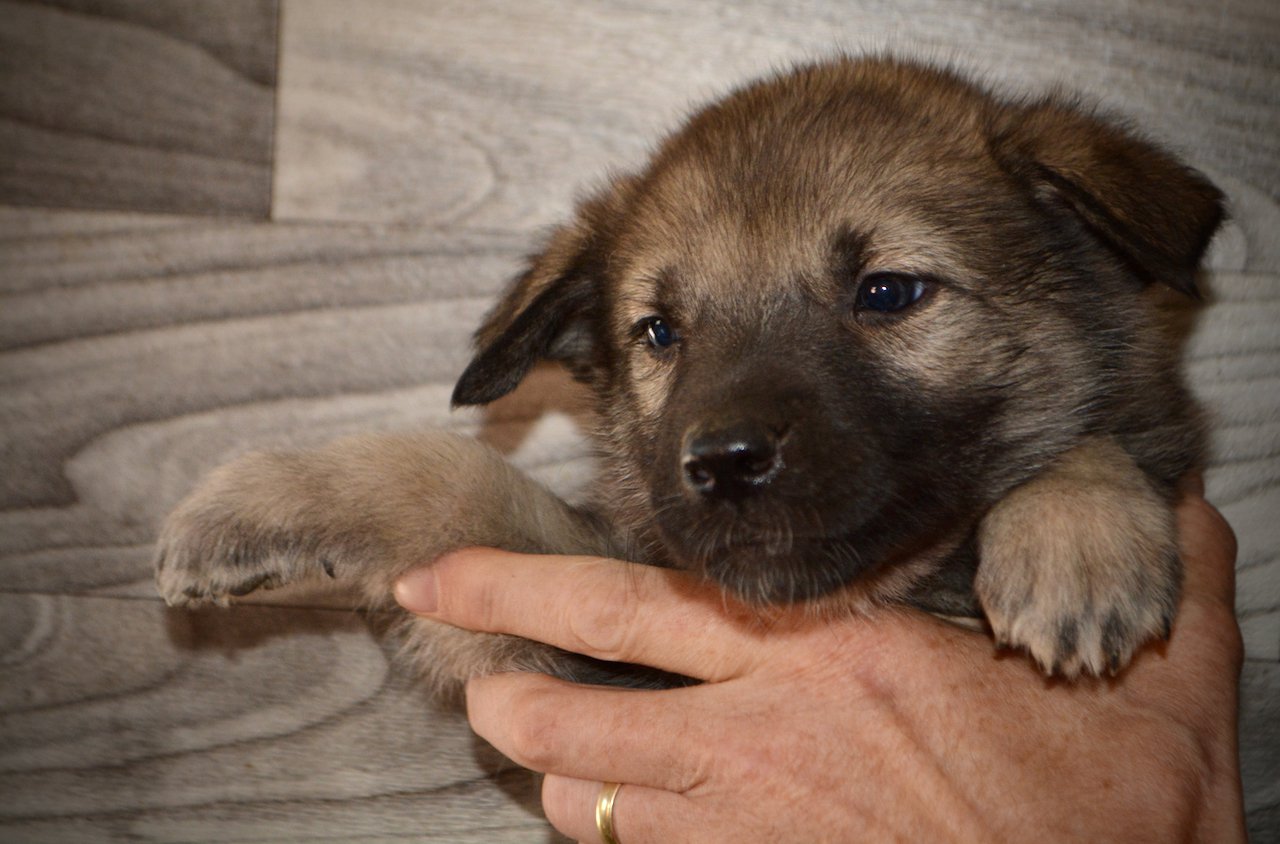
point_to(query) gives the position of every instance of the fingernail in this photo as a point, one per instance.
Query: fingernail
(417, 591)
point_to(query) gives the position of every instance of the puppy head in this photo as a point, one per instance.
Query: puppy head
(845, 309)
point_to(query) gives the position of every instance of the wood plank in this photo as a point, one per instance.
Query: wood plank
(495, 114)
(165, 346)
(420, 146)
(121, 720)
(1234, 365)
(1260, 748)
(133, 105)
(256, 334)
(150, 359)
(218, 314)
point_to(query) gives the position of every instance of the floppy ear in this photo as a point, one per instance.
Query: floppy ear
(551, 311)
(1155, 212)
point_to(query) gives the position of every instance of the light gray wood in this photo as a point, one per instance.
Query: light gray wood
(421, 149)
(123, 720)
(1233, 360)
(138, 105)
(1260, 748)
(142, 352)
(494, 114)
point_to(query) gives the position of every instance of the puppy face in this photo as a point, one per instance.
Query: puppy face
(845, 310)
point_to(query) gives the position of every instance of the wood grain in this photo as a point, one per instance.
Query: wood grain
(142, 352)
(421, 150)
(1234, 366)
(138, 353)
(1260, 748)
(123, 104)
(492, 114)
(123, 720)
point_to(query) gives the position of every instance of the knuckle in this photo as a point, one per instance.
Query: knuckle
(1225, 533)
(1216, 639)
(602, 616)
(484, 607)
(1209, 519)
(1231, 641)
(534, 727)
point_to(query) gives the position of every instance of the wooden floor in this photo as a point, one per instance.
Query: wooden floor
(228, 224)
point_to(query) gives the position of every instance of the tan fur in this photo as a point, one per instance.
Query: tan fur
(366, 510)
(1027, 407)
(1080, 564)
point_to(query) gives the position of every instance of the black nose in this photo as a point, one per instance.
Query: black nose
(731, 461)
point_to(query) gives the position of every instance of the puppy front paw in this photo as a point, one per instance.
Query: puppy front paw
(238, 532)
(1080, 565)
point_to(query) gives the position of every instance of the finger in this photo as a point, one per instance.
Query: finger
(602, 608)
(640, 814)
(1192, 484)
(649, 738)
(1208, 548)
(1198, 673)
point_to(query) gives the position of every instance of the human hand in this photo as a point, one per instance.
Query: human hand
(897, 726)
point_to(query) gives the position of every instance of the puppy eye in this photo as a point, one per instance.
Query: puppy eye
(888, 292)
(659, 333)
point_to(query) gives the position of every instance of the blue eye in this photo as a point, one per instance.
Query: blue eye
(888, 292)
(659, 334)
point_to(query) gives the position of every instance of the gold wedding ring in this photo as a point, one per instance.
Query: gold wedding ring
(604, 811)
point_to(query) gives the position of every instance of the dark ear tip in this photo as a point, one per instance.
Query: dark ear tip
(467, 393)
(463, 396)
(481, 383)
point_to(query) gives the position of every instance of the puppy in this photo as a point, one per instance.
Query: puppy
(858, 333)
